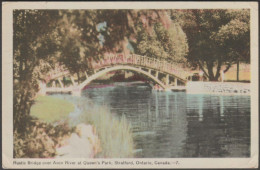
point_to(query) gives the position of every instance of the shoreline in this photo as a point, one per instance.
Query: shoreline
(113, 141)
(67, 136)
(83, 143)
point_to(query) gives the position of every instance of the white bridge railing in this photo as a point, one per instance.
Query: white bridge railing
(160, 65)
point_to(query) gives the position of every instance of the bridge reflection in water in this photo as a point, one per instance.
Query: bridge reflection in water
(176, 124)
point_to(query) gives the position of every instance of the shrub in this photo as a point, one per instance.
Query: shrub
(39, 139)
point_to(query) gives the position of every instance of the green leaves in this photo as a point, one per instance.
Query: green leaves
(160, 42)
(235, 35)
(34, 41)
(215, 37)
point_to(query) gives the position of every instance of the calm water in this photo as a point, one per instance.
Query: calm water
(176, 124)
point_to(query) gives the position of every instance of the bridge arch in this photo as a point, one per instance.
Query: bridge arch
(119, 67)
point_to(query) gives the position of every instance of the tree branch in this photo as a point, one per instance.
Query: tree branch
(201, 67)
(227, 68)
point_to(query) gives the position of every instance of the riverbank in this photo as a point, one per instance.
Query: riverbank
(94, 131)
(115, 134)
(81, 143)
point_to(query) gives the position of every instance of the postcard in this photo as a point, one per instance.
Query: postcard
(130, 85)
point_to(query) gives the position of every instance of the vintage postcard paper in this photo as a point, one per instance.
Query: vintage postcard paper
(130, 85)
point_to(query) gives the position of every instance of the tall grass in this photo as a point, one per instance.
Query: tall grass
(114, 133)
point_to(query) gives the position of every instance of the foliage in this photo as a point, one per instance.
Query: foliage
(50, 109)
(34, 42)
(164, 43)
(150, 32)
(117, 29)
(79, 39)
(236, 35)
(215, 37)
(39, 139)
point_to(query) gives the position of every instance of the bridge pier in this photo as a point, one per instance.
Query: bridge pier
(175, 81)
(76, 92)
(62, 86)
(167, 79)
(53, 84)
(167, 89)
(156, 74)
(42, 90)
(72, 80)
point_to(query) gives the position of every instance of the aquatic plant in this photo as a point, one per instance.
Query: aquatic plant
(115, 133)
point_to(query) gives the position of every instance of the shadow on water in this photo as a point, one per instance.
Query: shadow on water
(175, 124)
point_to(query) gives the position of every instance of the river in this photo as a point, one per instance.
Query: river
(176, 124)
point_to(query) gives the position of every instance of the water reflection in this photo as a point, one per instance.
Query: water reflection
(174, 124)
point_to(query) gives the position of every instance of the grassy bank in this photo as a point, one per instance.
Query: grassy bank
(51, 109)
(244, 73)
(232, 76)
(115, 134)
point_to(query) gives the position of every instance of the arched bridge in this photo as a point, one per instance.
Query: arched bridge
(163, 73)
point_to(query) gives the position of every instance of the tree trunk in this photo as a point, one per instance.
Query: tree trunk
(78, 77)
(217, 76)
(210, 71)
(237, 70)
(201, 67)
(218, 69)
(211, 74)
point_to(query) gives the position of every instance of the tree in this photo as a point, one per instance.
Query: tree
(150, 33)
(34, 43)
(79, 39)
(215, 37)
(170, 44)
(236, 36)
(90, 34)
